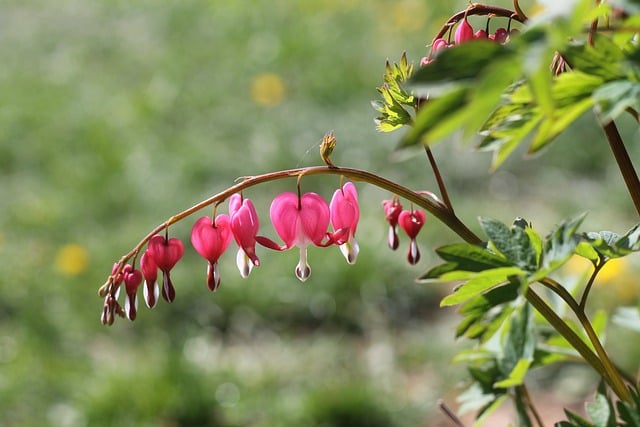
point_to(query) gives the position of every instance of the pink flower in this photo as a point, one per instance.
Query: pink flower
(464, 32)
(211, 239)
(165, 253)
(438, 44)
(500, 36)
(392, 209)
(132, 280)
(299, 221)
(411, 222)
(244, 226)
(150, 274)
(345, 213)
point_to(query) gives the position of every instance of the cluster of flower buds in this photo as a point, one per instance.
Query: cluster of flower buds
(411, 222)
(465, 33)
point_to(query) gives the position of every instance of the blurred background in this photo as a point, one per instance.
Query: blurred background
(115, 115)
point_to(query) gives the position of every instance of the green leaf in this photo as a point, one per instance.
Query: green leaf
(517, 374)
(464, 257)
(479, 283)
(519, 340)
(552, 126)
(433, 114)
(613, 99)
(514, 243)
(484, 314)
(587, 251)
(611, 245)
(604, 59)
(560, 245)
(601, 410)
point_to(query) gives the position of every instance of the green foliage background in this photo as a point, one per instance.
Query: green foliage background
(115, 115)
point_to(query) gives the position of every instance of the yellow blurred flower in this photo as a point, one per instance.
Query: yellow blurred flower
(72, 259)
(267, 89)
(407, 15)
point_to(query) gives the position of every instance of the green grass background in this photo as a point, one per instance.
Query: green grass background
(115, 115)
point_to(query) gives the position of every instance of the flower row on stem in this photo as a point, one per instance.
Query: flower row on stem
(300, 220)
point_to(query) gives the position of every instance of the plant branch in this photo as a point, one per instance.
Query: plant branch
(438, 176)
(587, 288)
(624, 162)
(609, 371)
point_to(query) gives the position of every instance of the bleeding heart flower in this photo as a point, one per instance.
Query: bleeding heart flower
(411, 222)
(244, 226)
(438, 44)
(211, 239)
(150, 274)
(464, 32)
(132, 280)
(300, 221)
(500, 36)
(165, 253)
(392, 209)
(345, 213)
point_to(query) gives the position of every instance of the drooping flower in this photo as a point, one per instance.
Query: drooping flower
(464, 32)
(132, 280)
(210, 239)
(411, 222)
(500, 36)
(392, 209)
(150, 274)
(345, 213)
(165, 253)
(299, 221)
(244, 226)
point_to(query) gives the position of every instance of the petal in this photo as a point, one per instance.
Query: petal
(213, 276)
(211, 240)
(314, 219)
(244, 263)
(350, 250)
(168, 291)
(413, 255)
(344, 208)
(165, 253)
(303, 270)
(284, 217)
(150, 292)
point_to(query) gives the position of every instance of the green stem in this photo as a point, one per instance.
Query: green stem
(610, 374)
(624, 162)
(587, 288)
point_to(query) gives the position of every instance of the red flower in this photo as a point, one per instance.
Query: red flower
(244, 226)
(299, 221)
(211, 239)
(345, 213)
(132, 280)
(392, 209)
(165, 253)
(411, 222)
(150, 274)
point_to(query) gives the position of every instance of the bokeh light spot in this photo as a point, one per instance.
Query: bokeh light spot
(267, 89)
(72, 259)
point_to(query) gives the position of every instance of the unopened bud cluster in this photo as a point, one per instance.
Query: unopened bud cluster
(465, 33)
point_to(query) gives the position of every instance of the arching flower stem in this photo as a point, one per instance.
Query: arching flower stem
(436, 208)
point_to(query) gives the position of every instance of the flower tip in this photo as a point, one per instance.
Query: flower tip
(303, 272)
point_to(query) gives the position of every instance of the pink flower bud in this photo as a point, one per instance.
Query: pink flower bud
(464, 32)
(411, 222)
(210, 239)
